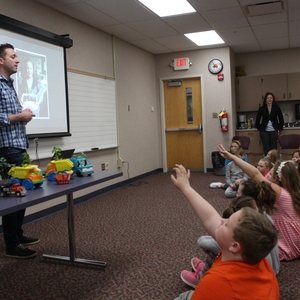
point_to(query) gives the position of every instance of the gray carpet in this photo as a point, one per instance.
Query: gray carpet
(146, 232)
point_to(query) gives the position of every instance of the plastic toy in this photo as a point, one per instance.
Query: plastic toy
(58, 166)
(63, 178)
(82, 166)
(12, 189)
(30, 176)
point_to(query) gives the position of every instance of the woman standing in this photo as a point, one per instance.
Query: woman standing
(269, 121)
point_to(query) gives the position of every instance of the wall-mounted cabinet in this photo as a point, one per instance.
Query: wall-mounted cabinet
(276, 84)
(293, 86)
(249, 93)
(251, 89)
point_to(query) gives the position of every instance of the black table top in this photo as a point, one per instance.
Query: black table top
(50, 190)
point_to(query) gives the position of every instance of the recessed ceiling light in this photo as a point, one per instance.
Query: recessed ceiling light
(165, 8)
(205, 38)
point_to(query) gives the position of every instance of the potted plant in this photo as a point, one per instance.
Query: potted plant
(4, 169)
(56, 151)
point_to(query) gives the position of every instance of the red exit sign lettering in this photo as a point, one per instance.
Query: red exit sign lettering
(181, 63)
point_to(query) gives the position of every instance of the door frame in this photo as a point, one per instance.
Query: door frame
(163, 120)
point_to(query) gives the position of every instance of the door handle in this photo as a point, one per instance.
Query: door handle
(200, 128)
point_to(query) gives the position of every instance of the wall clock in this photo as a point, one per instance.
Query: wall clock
(215, 66)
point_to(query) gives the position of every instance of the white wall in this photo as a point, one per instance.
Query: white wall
(92, 52)
(216, 95)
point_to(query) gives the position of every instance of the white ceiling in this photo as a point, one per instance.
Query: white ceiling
(132, 22)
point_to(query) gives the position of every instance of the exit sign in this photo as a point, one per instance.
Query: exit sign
(181, 63)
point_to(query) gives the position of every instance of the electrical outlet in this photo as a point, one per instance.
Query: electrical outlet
(107, 166)
(120, 162)
(103, 167)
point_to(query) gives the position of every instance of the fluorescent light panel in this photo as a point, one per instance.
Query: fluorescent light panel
(164, 8)
(205, 38)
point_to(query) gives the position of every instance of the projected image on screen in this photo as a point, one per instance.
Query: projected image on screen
(32, 83)
(41, 81)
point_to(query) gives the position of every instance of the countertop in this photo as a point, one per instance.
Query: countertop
(254, 129)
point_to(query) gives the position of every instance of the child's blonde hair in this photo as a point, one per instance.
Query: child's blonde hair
(239, 152)
(273, 156)
(267, 163)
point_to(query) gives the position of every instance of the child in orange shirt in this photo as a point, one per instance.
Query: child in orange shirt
(245, 239)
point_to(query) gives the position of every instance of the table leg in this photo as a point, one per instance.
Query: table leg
(72, 247)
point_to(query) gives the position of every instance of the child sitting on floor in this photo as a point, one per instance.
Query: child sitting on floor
(250, 194)
(234, 175)
(245, 239)
(264, 166)
(234, 147)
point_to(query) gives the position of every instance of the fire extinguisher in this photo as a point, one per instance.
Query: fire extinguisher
(224, 120)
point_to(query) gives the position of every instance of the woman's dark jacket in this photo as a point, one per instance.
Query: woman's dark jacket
(263, 117)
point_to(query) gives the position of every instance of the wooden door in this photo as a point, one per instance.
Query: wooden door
(183, 117)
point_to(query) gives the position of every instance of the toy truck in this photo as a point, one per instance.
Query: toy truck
(12, 189)
(58, 166)
(82, 166)
(30, 176)
(63, 178)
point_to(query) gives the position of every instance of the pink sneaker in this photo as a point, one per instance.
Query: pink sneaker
(189, 278)
(197, 264)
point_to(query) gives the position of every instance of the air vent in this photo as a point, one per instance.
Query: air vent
(265, 8)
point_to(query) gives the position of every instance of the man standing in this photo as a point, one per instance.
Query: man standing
(13, 143)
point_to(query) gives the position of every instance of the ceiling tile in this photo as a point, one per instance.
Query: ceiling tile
(245, 47)
(85, 13)
(295, 41)
(270, 30)
(234, 36)
(293, 10)
(152, 45)
(123, 11)
(175, 42)
(274, 43)
(132, 22)
(153, 28)
(53, 3)
(226, 18)
(188, 23)
(123, 32)
(212, 4)
(294, 28)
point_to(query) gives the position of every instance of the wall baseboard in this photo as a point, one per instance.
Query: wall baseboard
(60, 207)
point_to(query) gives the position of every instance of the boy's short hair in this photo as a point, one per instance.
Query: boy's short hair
(256, 235)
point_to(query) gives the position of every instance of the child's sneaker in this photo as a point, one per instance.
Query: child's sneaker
(189, 278)
(215, 185)
(197, 264)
